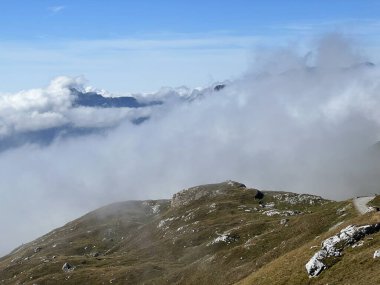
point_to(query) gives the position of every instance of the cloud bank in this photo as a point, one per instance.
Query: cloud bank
(299, 123)
(56, 106)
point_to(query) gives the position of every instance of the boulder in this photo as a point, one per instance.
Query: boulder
(67, 267)
(315, 265)
(376, 254)
(259, 195)
(284, 221)
(333, 246)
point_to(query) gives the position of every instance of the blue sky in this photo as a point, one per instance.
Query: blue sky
(141, 45)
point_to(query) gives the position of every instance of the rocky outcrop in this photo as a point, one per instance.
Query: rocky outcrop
(295, 199)
(187, 196)
(333, 246)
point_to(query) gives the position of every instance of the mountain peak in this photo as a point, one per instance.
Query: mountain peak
(207, 191)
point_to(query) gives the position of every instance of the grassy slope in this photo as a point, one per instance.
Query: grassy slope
(356, 266)
(132, 247)
(375, 202)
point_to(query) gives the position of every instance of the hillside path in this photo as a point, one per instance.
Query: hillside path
(360, 203)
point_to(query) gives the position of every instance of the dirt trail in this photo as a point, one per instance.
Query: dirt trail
(360, 204)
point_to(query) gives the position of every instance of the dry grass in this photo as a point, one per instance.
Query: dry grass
(356, 266)
(375, 202)
(133, 249)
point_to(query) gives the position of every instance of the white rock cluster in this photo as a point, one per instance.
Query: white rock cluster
(334, 246)
(153, 206)
(163, 223)
(294, 199)
(285, 213)
(156, 209)
(227, 238)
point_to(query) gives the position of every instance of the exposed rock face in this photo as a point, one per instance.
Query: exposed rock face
(334, 246)
(315, 265)
(187, 196)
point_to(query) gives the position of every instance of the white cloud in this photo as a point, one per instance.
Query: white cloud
(50, 107)
(292, 128)
(56, 9)
(38, 108)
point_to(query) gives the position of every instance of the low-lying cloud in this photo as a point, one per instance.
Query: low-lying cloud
(297, 123)
(54, 107)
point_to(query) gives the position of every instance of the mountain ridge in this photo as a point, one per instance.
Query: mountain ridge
(221, 233)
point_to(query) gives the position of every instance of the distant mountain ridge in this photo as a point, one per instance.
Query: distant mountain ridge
(93, 99)
(142, 107)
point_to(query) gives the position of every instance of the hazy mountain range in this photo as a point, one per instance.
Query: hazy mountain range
(84, 106)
